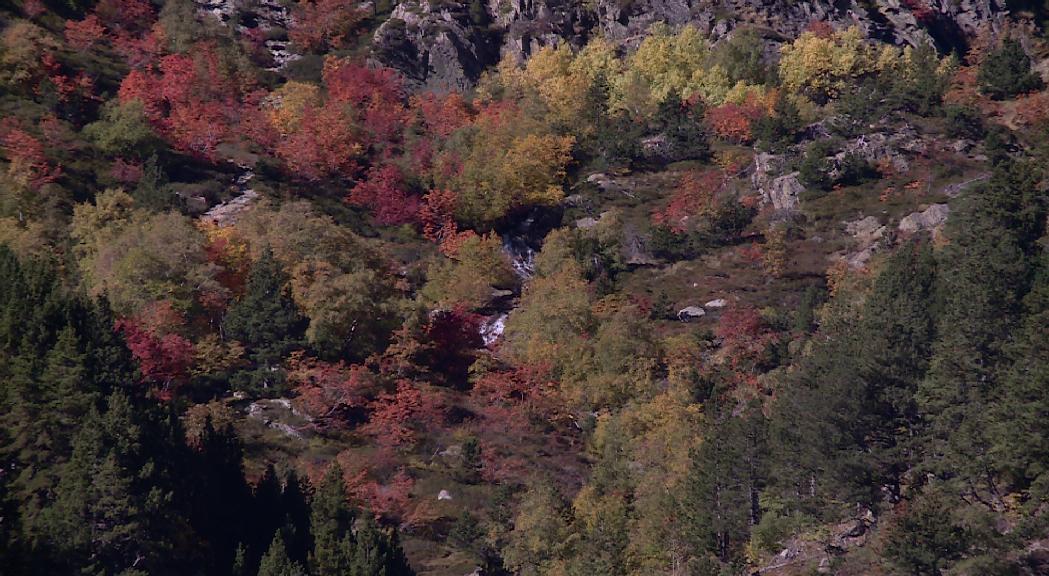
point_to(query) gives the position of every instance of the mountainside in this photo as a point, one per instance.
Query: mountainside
(617, 287)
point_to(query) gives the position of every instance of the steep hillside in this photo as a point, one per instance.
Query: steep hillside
(330, 287)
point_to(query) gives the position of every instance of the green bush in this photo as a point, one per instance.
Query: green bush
(1006, 72)
(814, 169)
(779, 130)
(964, 122)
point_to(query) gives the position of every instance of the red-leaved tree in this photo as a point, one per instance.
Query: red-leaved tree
(395, 417)
(83, 34)
(333, 393)
(321, 25)
(163, 359)
(28, 162)
(385, 192)
(695, 197)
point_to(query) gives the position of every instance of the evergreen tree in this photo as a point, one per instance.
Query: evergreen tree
(983, 275)
(276, 561)
(265, 319)
(779, 130)
(377, 552)
(267, 512)
(920, 87)
(728, 471)
(1021, 428)
(896, 333)
(331, 524)
(68, 395)
(1006, 72)
(296, 506)
(220, 497)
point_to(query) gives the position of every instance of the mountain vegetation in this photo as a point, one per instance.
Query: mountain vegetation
(340, 288)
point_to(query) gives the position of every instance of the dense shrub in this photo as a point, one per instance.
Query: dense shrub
(1006, 72)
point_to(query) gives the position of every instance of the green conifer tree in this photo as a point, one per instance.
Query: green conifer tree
(276, 561)
(331, 523)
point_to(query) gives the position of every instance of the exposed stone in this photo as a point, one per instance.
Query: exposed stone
(866, 230)
(438, 45)
(435, 46)
(784, 192)
(876, 147)
(492, 329)
(717, 303)
(931, 218)
(690, 313)
(444, 495)
(635, 249)
(279, 414)
(586, 223)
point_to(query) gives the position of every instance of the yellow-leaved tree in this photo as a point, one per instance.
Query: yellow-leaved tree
(820, 67)
(286, 105)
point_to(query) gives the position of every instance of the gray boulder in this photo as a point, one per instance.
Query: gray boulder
(689, 313)
(931, 218)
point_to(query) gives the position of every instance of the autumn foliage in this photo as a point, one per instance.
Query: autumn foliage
(695, 197)
(324, 24)
(164, 357)
(732, 121)
(29, 165)
(189, 99)
(385, 192)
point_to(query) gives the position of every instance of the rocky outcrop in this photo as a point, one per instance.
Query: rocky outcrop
(870, 238)
(443, 45)
(435, 46)
(895, 148)
(779, 190)
(932, 218)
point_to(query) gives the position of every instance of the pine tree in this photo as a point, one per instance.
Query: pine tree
(68, 395)
(220, 497)
(265, 319)
(276, 561)
(296, 506)
(1006, 72)
(267, 512)
(377, 552)
(720, 504)
(331, 523)
(896, 331)
(1021, 433)
(983, 275)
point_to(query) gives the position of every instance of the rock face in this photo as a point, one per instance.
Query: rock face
(443, 45)
(895, 147)
(435, 46)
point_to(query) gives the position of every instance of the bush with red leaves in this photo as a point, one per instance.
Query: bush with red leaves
(163, 359)
(29, 164)
(695, 197)
(385, 192)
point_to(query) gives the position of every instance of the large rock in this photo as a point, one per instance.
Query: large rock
(780, 190)
(931, 218)
(865, 230)
(689, 313)
(893, 147)
(435, 45)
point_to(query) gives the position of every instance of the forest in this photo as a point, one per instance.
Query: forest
(363, 288)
